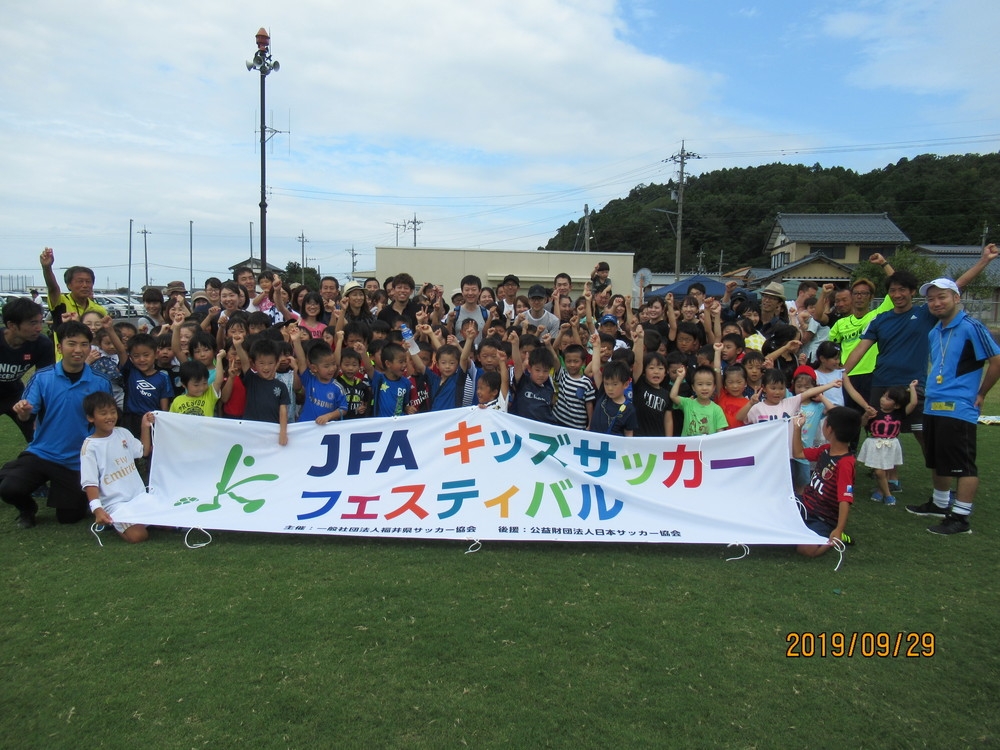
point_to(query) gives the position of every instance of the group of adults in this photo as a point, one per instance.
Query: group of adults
(936, 344)
(49, 411)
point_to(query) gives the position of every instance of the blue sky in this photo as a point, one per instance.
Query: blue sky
(494, 122)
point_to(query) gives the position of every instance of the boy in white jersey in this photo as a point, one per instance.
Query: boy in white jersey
(107, 464)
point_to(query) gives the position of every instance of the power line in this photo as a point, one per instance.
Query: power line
(955, 141)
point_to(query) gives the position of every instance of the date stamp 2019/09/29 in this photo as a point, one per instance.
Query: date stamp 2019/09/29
(868, 644)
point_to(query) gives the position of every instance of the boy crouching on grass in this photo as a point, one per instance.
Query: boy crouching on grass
(107, 464)
(826, 500)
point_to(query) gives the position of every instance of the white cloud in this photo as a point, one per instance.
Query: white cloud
(150, 114)
(924, 47)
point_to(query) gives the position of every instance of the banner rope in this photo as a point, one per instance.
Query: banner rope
(474, 547)
(746, 551)
(196, 545)
(840, 547)
(95, 528)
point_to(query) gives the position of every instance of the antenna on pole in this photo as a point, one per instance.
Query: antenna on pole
(270, 131)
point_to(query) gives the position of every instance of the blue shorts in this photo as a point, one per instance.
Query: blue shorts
(814, 523)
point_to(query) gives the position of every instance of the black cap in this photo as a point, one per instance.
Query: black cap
(510, 277)
(537, 290)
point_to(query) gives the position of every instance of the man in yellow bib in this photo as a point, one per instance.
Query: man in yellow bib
(79, 299)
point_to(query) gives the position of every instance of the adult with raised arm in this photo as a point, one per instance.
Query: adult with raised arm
(901, 335)
(79, 297)
(77, 301)
(846, 330)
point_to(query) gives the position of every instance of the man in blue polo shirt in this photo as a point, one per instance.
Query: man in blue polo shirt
(956, 386)
(55, 395)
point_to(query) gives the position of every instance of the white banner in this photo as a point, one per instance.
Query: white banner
(471, 474)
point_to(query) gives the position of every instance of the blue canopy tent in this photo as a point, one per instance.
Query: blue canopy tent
(713, 288)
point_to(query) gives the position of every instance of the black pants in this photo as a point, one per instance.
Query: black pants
(26, 473)
(26, 427)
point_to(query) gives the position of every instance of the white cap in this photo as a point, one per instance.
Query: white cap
(942, 283)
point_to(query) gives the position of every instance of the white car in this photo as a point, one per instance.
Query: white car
(131, 305)
(10, 296)
(116, 306)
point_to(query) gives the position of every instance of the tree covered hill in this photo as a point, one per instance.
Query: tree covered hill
(933, 199)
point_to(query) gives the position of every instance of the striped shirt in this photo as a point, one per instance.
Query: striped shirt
(571, 399)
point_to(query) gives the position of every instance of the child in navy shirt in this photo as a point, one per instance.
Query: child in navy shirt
(613, 415)
(533, 387)
(146, 388)
(267, 397)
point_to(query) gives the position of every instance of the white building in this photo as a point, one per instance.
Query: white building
(447, 266)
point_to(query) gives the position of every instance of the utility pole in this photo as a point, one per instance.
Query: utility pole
(416, 225)
(145, 252)
(586, 228)
(398, 227)
(986, 231)
(302, 241)
(191, 254)
(680, 158)
(354, 261)
(130, 260)
(251, 247)
(263, 63)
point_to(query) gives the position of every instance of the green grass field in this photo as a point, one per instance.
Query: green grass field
(275, 641)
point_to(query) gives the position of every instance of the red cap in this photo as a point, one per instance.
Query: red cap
(805, 370)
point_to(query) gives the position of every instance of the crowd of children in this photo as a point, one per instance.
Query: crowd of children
(693, 366)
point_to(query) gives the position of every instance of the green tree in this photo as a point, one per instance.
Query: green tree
(933, 199)
(294, 273)
(921, 266)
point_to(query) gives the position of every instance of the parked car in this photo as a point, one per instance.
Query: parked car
(131, 305)
(116, 306)
(8, 296)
